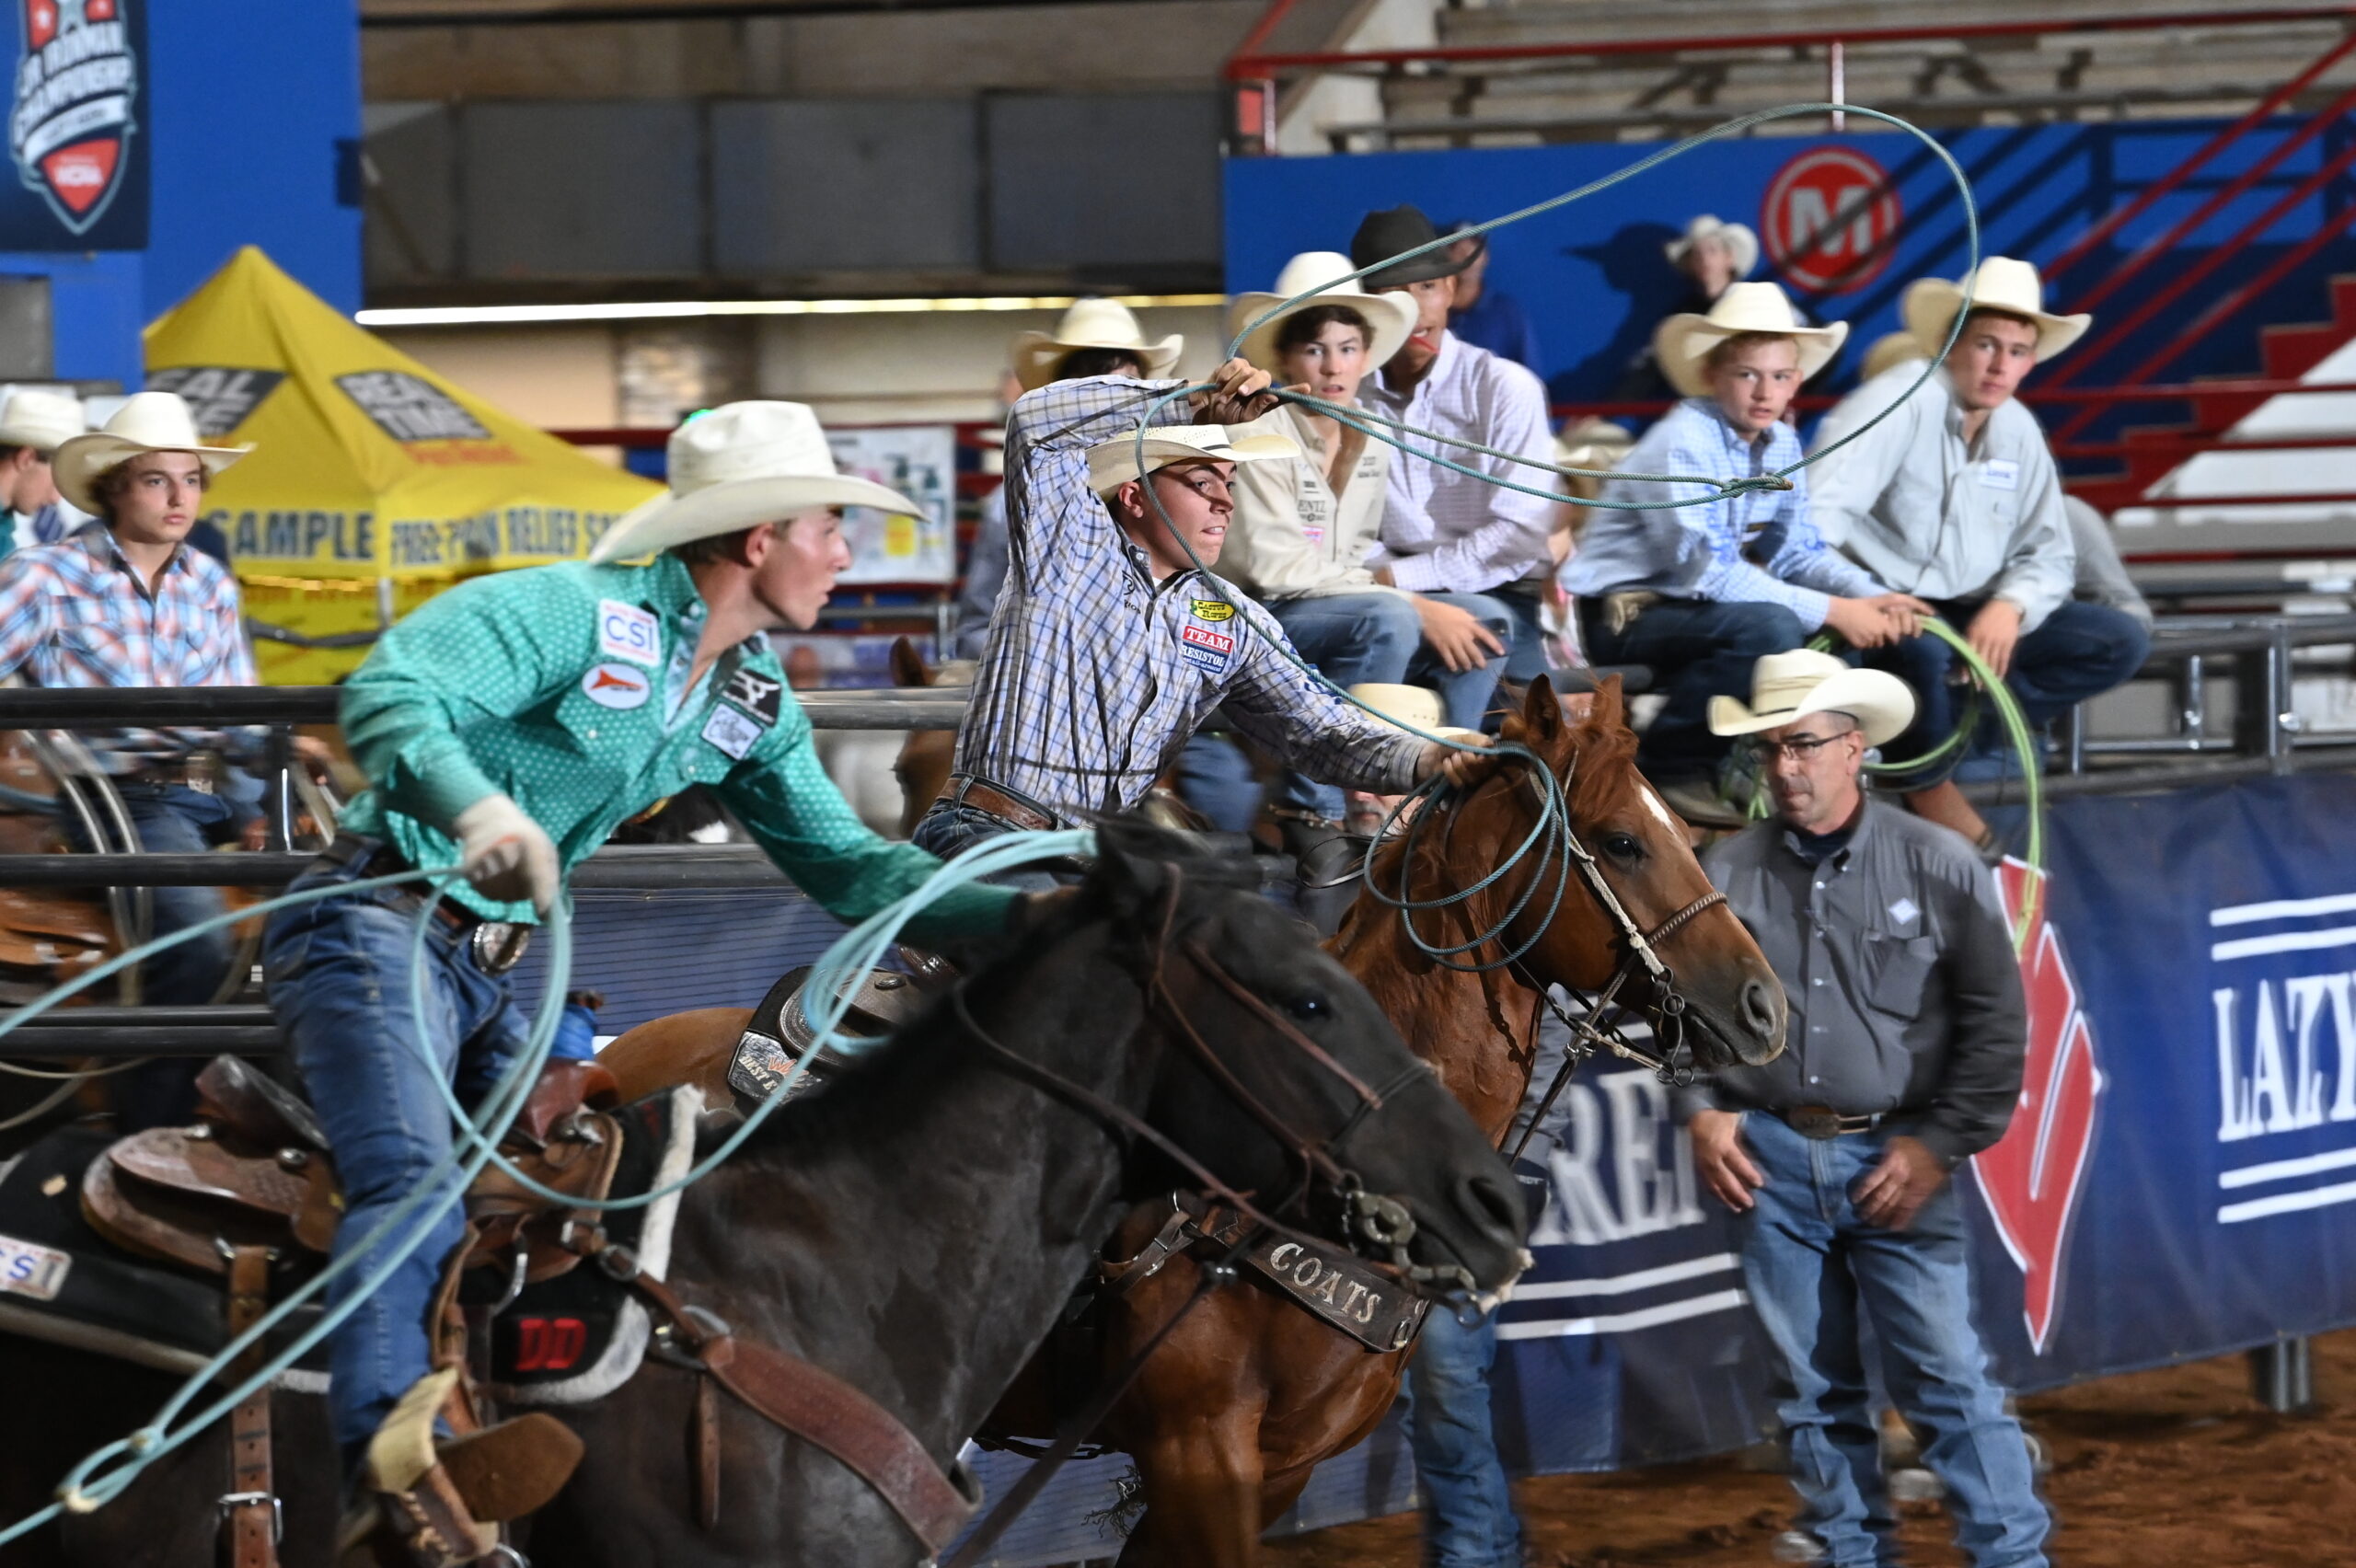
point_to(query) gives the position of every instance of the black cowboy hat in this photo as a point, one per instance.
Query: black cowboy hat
(1385, 235)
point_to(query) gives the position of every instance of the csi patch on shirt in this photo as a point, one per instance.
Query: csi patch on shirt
(627, 631)
(732, 731)
(1206, 651)
(2001, 473)
(756, 693)
(617, 685)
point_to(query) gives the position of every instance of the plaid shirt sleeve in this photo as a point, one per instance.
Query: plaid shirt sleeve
(1050, 510)
(1725, 575)
(1803, 557)
(1515, 526)
(25, 620)
(1282, 707)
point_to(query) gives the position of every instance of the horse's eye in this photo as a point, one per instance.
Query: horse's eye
(1621, 845)
(1311, 1006)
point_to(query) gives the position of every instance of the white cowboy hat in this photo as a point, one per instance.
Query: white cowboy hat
(1389, 316)
(1111, 463)
(1412, 707)
(42, 420)
(1092, 324)
(2003, 283)
(1740, 239)
(147, 421)
(1787, 687)
(1888, 351)
(1682, 342)
(1593, 442)
(740, 464)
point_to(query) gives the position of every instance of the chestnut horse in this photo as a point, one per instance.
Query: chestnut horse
(1231, 1414)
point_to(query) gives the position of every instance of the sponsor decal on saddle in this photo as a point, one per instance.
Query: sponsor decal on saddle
(27, 1268)
(1206, 651)
(617, 685)
(1373, 1308)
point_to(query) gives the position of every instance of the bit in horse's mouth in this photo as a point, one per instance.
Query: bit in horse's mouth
(1490, 1300)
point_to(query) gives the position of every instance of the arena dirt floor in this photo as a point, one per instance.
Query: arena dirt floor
(2160, 1469)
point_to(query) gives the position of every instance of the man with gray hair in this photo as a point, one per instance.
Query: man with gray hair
(1903, 1058)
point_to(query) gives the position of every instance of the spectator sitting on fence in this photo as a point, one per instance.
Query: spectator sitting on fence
(1096, 336)
(1300, 533)
(1904, 1057)
(1712, 255)
(1484, 314)
(126, 602)
(1593, 444)
(1954, 497)
(2101, 577)
(33, 425)
(1699, 592)
(1454, 536)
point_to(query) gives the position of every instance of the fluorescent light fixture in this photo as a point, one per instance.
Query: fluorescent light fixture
(672, 310)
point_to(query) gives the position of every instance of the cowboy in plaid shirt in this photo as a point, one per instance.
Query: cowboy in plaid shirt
(1111, 647)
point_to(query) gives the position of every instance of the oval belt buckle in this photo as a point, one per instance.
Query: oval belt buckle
(498, 945)
(1814, 1120)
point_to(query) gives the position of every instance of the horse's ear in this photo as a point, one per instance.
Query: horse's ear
(1541, 717)
(1135, 863)
(1607, 710)
(909, 668)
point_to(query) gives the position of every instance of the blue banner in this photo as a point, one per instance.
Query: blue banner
(2180, 1180)
(79, 114)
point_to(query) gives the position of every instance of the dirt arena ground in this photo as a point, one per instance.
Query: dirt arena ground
(2161, 1470)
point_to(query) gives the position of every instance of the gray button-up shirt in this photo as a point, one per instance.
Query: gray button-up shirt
(1905, 994)
(1929, 514)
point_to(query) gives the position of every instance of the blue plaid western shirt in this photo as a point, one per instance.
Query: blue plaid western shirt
(77, 613)
(1757, 546)
(1094, 675)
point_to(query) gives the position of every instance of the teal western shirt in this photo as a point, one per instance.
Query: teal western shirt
(566, 687)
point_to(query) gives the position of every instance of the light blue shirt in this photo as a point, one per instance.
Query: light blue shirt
(1756, 547)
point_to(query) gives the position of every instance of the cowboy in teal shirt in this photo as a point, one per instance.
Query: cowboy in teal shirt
(508, 727)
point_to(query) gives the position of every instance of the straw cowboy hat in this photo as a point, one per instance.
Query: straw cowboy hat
(2004, 284)
(1397, 229)
(147, 421)
(1593, 442)
(1091, 324)
(1684, 341)
(1787, 687)
(1889, 350)
(1741, 240)
(1389, 317)
(42, 420)
(1409, 707)
(740, 464)
(1111, 463)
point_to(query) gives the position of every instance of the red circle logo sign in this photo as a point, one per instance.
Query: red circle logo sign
(1829, 221)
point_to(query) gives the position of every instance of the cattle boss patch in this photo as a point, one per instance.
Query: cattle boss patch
(69, 124)
(1378, 1312)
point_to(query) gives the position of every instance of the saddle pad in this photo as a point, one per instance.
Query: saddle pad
(580, 1335)
(62, 1283)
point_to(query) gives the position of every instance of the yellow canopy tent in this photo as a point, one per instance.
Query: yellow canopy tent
(374, 483)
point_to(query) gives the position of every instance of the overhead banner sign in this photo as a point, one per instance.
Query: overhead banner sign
(75, 136)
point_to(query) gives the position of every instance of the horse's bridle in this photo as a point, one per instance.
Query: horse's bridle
(1380, 1220)
(1595, 1030)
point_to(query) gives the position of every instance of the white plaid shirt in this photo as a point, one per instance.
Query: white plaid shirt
(1095, 675)
(1443, 530)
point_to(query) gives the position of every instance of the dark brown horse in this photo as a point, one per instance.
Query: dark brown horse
(1231, 1413)
(914, 1229)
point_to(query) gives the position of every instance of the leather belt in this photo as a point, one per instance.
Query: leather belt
(200, 771)
(980, 795)
(1823, 1122)
(497, 945)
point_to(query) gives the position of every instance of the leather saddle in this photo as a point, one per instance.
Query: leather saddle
(254, 1172)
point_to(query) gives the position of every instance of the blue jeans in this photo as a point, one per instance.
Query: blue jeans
(946, 831)
(338, 974)
(2079, 651)
(1465, 694)
(1817, 1273)
(1469, 1520)
(171, 819)
(1697, 649)
(1351, 639)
